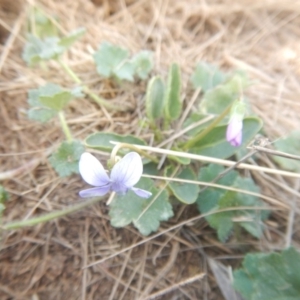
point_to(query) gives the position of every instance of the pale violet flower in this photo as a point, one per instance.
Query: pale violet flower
(123, 176)
(234, 131)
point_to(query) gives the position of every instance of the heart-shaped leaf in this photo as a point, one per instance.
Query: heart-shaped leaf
(145, 214)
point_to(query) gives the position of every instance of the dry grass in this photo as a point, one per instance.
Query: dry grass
(48, 261)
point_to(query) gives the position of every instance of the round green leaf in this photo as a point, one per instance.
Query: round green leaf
(101, 140)
(184, 192)
(215, 144)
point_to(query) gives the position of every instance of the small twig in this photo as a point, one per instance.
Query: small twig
(26, 168)
(162, 273)
(208, 159)
(274, 152)
(291, 219)
(48, 217)
(222, 174)
(85, 245)
(179, 125)
(11, 39)
(118, 146)
(175, 286)
(189, 144)
(111, 198)
(191, 220)
(158, 194)
(224, 187)
(185, 130)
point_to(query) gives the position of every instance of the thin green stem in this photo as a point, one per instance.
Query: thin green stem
(100, 100)
(70, 72)
(48, 217)
(157, 132)
(65, 126)
(95, 97)
(189, 144)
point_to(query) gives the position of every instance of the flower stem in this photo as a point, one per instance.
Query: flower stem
(189, 144)
(95, 97)
(99, 100)
(70, 72)
(50, 216)
(65, 126)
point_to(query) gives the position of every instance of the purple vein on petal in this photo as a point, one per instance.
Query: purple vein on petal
(128, 170)
(95, 192)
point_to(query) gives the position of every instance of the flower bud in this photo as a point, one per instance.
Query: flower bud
(234, 133)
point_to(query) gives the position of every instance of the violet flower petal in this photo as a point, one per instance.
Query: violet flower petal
(141, 193)
(95, 192)
(92, 170)
(127, 172)
(234, 132)
(119, 187)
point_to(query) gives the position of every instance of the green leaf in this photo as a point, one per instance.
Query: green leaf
(197, 117)
(215, 101)
(38, 112)
(2, 208)
(181, 160)
(109, 59)
(207, 76)
(47, 100)
(238, 82)
(155, 98)
(65, 160)
(213, 199)
(290, 145)
(43, 26)
(3, 198)
(150, 169)
(173, 104)
(184, 192)
(77, 92)
(143, 64)
(70, 39)
(125, 71)
(3, 195)
(269, 276)
(215, 144)
(101, 140)
(145, 214)
(57, 101)
(37, 50)
(208, 200)
(113, 61)
(41, 114)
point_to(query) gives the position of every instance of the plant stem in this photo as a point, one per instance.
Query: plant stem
(65, 126)
(99, 100)
(95, 97)
(50, 216)
(70, 72)
(189, 144)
